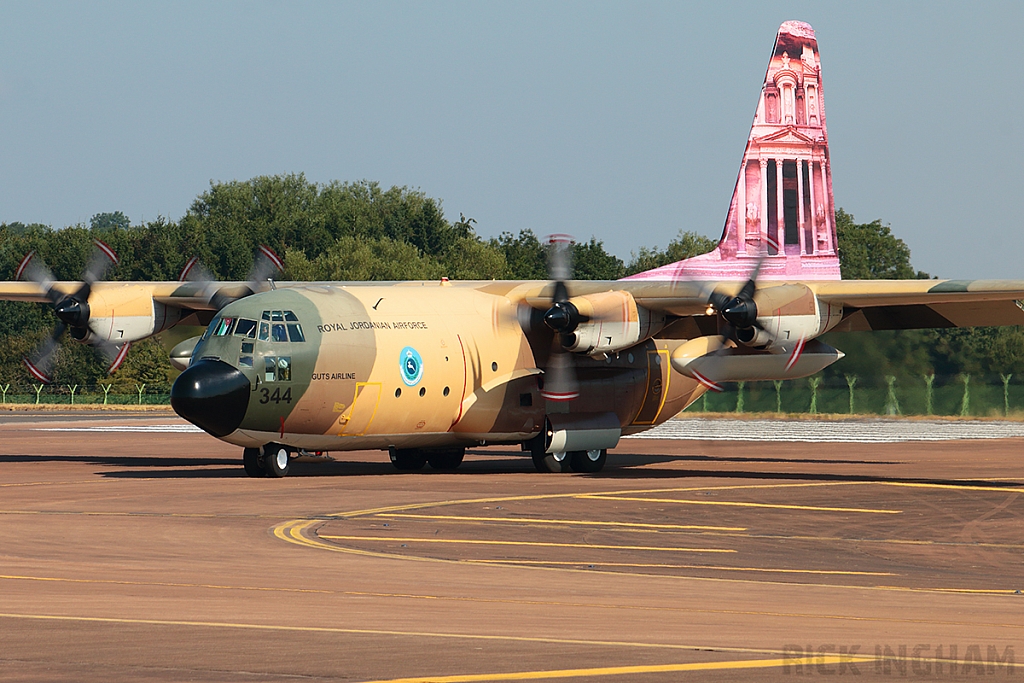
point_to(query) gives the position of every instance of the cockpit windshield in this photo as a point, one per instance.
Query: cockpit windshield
(273, 326)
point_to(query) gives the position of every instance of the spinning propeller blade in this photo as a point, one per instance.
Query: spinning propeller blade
(72, 310)
(560, 383)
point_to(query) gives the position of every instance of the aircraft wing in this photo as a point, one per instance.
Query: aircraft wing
(915, 304)
(867, 304)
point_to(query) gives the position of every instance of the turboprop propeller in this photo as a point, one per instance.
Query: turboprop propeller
(265, 265)
(72, 310)
(562, 318)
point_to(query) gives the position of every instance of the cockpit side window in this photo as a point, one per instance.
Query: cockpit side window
(245, 328)
(264, 331)
(295, 332)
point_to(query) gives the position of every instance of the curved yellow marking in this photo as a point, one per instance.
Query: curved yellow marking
(778, 506)
(292, 532)
(572, 522)
(540, 544)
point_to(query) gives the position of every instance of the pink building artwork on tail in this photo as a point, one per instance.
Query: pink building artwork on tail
(781, 209)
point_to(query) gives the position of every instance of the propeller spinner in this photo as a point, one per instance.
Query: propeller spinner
(740, 311)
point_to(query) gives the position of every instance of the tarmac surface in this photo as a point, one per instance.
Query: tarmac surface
(132, 548)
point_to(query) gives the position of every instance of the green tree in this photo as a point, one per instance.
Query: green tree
(869, 251)
(102, 222)
(525, 257)
(685, 245)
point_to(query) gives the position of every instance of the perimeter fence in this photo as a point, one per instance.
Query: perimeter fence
(946, 395)
(84, 394)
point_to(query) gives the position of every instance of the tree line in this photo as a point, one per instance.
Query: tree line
(361, 231)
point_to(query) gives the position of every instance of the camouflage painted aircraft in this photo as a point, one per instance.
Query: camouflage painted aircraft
(562, 367)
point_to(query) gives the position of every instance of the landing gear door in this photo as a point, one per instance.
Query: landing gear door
(657, 385)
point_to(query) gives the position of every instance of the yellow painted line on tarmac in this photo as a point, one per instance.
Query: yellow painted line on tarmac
(951, 487)
(382, 632)
(69, 483)
(572, 522)
(537, 544)
(548, 674)
(555, 496)
(292, 532)
(686, 566)
(777, 506)
(803, 616)
(102, 513)
(160, 584)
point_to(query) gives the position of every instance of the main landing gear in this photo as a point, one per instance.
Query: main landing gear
(269, 461)
(416, 458)
(576, 461)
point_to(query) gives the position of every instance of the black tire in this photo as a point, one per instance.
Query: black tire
(447, 459)
(407, 459)
(588, 462)
(253, 463)
(275, 460)
(551, 462)
(547, 462)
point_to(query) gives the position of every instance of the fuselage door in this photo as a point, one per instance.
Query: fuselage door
(356, 419)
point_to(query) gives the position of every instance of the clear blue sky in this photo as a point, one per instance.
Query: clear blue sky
(625, 121)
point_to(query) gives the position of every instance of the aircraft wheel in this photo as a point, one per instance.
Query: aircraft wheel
(252, 462)
(551, 462)
(588, 461)
(448, 459)
(275, 460)
(407, 458)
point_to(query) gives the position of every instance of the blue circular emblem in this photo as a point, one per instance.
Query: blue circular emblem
(412, 366)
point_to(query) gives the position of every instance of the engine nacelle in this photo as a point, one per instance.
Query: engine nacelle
(127, 313)
(788, 315)
(710, 361)
(614, 322)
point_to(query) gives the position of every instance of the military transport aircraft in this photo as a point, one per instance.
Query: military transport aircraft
(562, 367)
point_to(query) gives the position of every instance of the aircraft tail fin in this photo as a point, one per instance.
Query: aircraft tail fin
(782, 208)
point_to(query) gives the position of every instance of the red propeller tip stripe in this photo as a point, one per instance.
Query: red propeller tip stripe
(105, 248)
(188, 268)
(24, 264)
(275, 259)
(36, 372)
(121, 355)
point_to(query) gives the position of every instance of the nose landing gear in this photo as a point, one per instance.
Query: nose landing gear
(270, 461)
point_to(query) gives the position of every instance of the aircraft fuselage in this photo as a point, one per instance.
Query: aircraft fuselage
(424, 365)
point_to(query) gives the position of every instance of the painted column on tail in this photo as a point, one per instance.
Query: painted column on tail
(776, 212)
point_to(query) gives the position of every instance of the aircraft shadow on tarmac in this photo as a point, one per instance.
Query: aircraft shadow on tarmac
(620, 466)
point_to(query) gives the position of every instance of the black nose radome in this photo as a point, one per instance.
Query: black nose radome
(211, 395)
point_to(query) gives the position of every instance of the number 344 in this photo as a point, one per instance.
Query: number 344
(276, 397)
